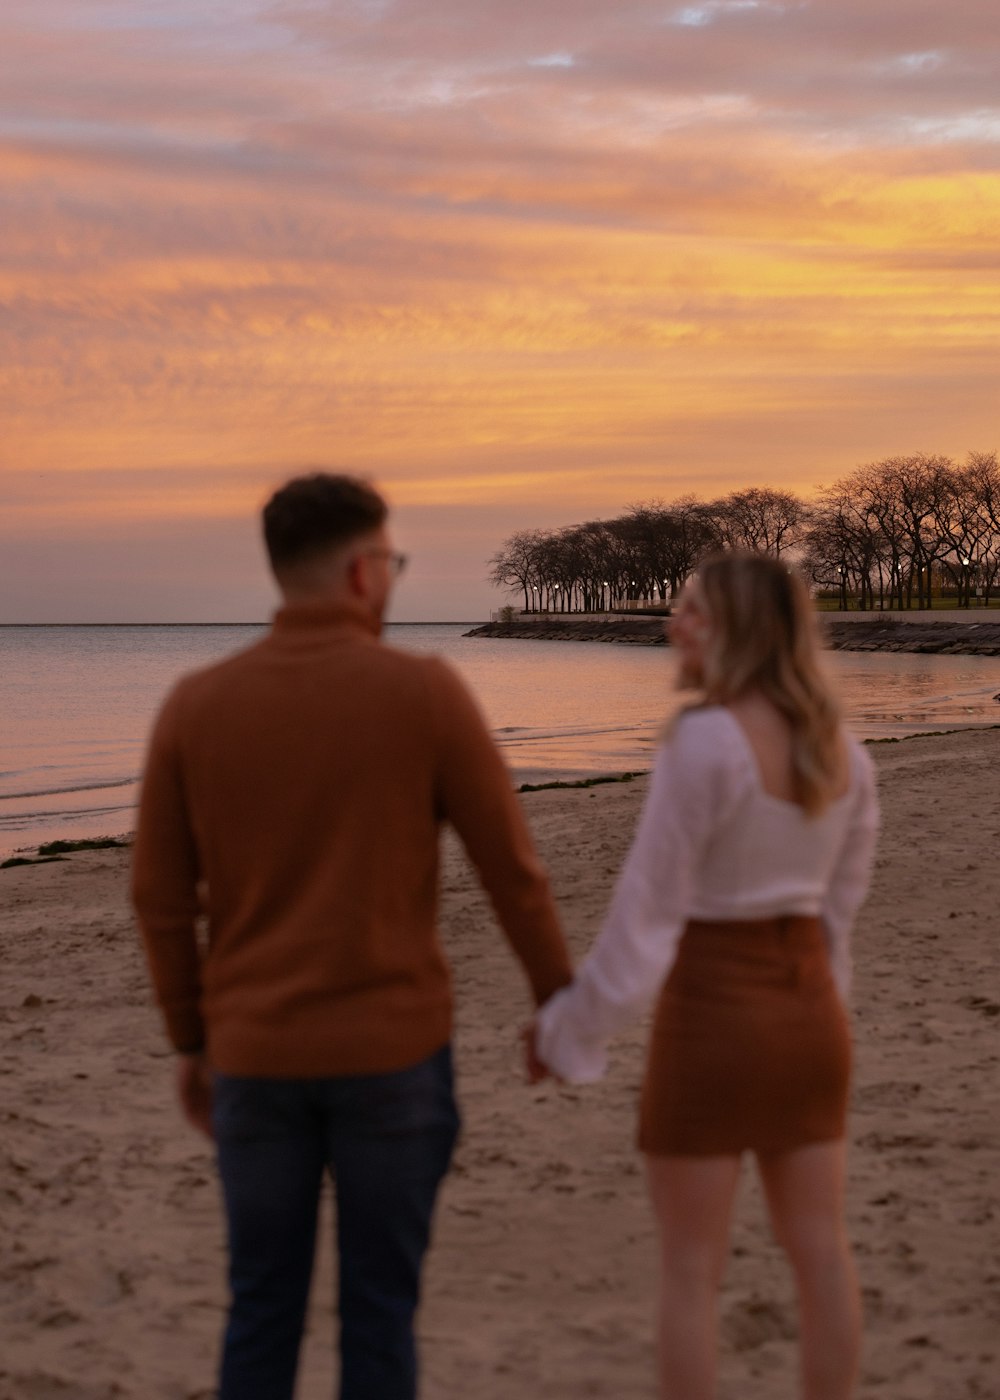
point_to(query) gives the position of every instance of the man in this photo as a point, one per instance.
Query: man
(294, 794)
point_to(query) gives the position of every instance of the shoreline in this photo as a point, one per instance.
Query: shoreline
(60, 848)
(946, 637)
(57, 848)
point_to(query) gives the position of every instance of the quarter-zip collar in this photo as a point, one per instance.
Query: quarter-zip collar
(307, 620)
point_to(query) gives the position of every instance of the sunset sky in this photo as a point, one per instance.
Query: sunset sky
(523, 263)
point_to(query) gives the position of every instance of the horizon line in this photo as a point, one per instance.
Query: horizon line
(419, 622)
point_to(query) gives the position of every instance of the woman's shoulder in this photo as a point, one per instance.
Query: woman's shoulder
(713, 731)
(705, 739)
(701, 721)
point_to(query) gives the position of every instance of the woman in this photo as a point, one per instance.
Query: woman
(751, 858)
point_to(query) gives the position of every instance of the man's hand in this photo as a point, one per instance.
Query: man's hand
(194, 1089)
(534, 1068)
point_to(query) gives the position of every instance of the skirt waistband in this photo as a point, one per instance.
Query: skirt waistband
(781, 925)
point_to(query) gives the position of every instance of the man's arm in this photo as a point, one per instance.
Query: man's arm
(476, 795)
(194, 1090)
(165, 886)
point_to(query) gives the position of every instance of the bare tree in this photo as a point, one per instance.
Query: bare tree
(981, 483)
(916, 483)
(770, 522)
(844, 548)
(961, 523)
(670, 541)
(515, 564)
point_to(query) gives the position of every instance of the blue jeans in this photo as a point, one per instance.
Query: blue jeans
(386, 1140)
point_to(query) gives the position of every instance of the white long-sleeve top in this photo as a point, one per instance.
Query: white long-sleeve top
(711, 843)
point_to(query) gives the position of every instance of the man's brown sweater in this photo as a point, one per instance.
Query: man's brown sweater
(294, 793)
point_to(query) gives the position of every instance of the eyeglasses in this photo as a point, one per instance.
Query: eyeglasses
(396, 563)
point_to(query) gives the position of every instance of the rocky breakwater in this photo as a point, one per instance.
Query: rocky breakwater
(641, 631)
(964, 638)
(948, 638)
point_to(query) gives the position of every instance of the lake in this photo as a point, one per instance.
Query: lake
(76, 704)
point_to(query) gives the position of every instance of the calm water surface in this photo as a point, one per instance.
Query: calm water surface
(76, 704)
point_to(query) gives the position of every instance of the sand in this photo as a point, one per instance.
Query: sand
(543, 1273)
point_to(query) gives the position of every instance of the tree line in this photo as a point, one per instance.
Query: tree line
(879, 537)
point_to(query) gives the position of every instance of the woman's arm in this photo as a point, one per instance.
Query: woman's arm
(851, 874)
(638, 942)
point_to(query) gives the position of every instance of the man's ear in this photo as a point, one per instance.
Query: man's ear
(357, 576)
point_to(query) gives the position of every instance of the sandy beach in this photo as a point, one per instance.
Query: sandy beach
(542, 1278)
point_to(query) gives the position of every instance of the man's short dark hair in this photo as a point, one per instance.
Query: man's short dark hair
(312, 514)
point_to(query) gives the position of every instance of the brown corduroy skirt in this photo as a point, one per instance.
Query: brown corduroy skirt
(750, 1049)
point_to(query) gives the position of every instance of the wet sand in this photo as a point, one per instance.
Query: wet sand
(543, 1274)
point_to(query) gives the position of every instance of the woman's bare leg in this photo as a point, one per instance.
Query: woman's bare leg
(692, 1199)
(805, 1195)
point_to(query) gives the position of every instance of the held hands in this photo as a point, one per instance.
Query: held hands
(194, 1089)
(535, 1069)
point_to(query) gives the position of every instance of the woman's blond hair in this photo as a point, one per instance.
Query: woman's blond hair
(762, 636)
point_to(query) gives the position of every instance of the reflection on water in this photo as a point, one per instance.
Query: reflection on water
(77, 702)
(583, 707)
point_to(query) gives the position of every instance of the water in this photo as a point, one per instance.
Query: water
(76, 704)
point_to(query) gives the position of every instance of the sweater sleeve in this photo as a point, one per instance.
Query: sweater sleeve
(476, 796)
(852, 871)
(638, 942)
(165, 872)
